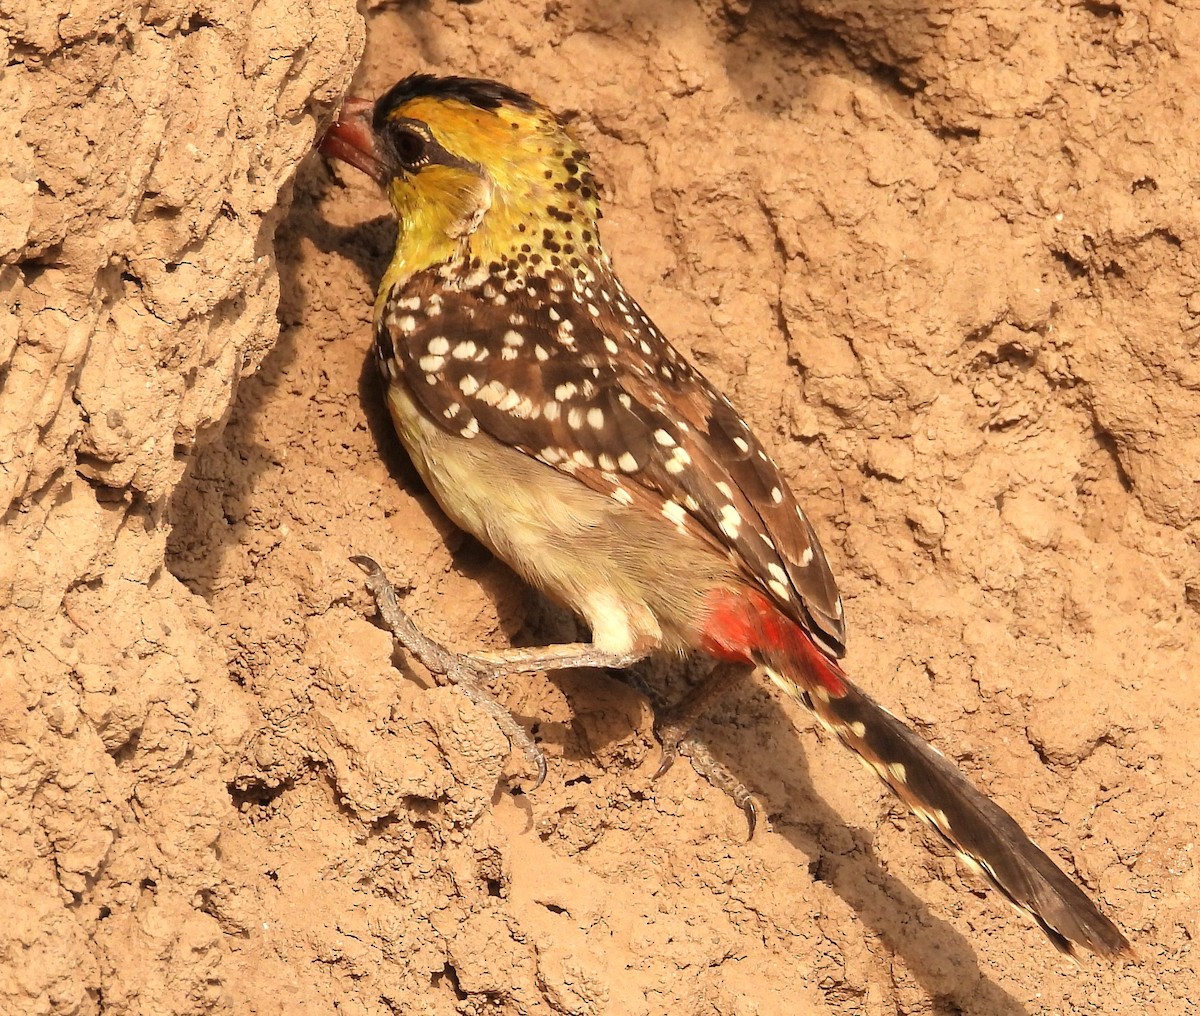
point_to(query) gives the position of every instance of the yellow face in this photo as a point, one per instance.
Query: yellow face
(494, 179)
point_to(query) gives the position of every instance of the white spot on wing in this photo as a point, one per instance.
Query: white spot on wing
(673, 512)
(491, 393)
(731, 521)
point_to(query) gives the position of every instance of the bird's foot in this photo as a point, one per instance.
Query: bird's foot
(673, 728)
(675, 742)
(462, 671)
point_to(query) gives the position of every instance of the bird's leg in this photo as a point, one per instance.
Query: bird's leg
(468, 672)
(559, 657)
(673, 726)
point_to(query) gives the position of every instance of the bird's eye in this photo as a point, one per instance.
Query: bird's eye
(409, 146)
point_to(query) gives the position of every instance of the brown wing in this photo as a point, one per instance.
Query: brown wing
(579, 377)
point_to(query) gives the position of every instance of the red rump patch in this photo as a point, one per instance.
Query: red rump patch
(743, 626)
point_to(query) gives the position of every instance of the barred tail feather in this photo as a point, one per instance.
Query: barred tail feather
(984, 835)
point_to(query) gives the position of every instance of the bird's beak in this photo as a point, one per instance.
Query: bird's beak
(352, 139)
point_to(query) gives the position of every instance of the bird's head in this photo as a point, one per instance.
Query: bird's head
(473, 169)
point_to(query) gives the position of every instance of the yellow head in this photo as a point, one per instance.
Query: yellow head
(474, 170)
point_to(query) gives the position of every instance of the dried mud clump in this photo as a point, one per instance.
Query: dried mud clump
(145, 165)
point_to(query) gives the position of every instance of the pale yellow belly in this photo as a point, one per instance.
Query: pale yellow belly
(633, 578)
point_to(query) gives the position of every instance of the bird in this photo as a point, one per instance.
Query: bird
(554, 422)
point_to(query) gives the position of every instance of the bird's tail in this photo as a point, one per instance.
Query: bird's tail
(984, 835)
